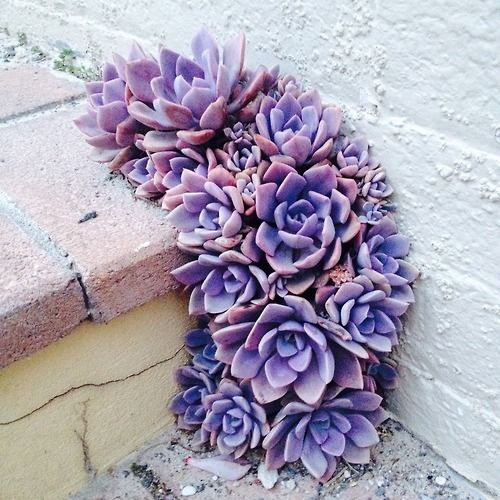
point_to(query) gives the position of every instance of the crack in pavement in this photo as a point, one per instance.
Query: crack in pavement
(42, 109)
(100, 384)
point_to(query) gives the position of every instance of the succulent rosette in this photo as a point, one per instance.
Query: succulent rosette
(372, 213)
(191, 95)
(284, 349)
(194, 96)
(380, 258)
(160, 171)
(342, 426)
(297, 273)
(200, 345)
(305, 217)
(301, 129)
(240, 151)
(353, 159)
(234, 422)
(223, 282)
(107, 122)
(207, 211)
(188, 405)
(368, 313)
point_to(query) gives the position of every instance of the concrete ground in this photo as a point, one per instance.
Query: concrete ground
(402, 468)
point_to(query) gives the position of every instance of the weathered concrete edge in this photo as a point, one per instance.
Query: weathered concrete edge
(39, 317)
(132, 284)
(97, 296)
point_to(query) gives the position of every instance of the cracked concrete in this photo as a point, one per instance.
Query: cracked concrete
(87, 462)
(18, 117)
(100, 392)
(37, 234)
(102, 384)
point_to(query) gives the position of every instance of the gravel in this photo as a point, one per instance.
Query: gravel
(402, 468)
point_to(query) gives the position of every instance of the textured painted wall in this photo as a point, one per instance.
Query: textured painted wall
(422, 79)
(62, 412)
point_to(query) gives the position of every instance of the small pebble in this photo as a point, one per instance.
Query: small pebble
(440, 480)
(214, 478)
(188, 491)
(88, 216)
(289, 484)
(267, 477)
(347, 474)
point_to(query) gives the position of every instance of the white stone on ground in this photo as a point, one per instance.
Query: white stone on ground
(267, 477)
(188, 491)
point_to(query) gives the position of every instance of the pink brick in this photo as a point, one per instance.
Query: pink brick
(124, 255)
(31, 88)
(40, 299)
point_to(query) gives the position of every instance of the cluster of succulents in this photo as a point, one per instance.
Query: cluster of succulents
(297, 270)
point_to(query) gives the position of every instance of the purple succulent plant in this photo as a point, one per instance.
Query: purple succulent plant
(240, 151)
(145, 176)
(300, 129)
(305, 218)
(107, 123)
(247, 182)
(283, 349)
(353, 160)
(342, 425)
(191, 95)
(286, 84)
(382, 375)
(200, 345)
(207, 211)
(194, 96)
(380, 258)
(188, 404)
(368, 313)
(251, 90)
(234, 421)
(297, 284)
(374, 186)
(223, 282)
(298, 279)
(373, 213)
(154, 175)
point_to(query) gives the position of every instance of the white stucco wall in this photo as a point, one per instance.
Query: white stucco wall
(422, 79)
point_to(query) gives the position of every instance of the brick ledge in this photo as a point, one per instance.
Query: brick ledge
(55, 271)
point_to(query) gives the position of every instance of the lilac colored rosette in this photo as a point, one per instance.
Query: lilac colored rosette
(107, 124)
(342, 426)
(287, 349)
(234, 421)
(304, 218)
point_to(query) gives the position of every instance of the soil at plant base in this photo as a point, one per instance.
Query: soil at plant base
(402, 468)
